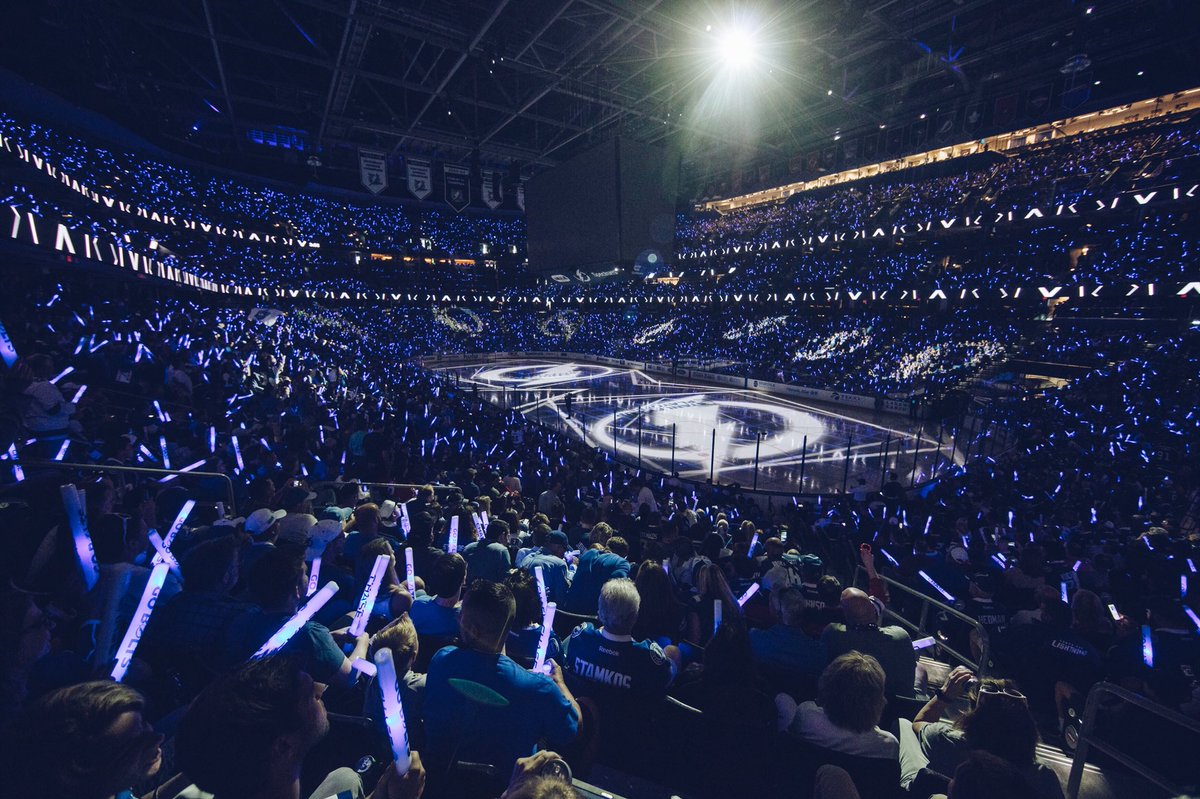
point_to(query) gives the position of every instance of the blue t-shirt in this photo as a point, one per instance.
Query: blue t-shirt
(599, 663)
(554, 571)
(484, 733)
(595, 569)
(487, 560)
(433, 619)
(789, 649)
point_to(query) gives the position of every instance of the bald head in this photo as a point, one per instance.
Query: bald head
(858, 608)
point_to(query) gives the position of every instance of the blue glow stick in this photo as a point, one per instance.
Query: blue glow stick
(753, 544)
(162, 444)
(541, 585)
(314, 574)
(716, 615)
(479, 534)
(928, 522)
(364, 667)
(452, 544)
(949, 597)
(1192, 615)
(1147, 647)
(1063, 588)
(161, 553)
(1075, 568)
(237, 452)
(888, 555)
(367, 601)
(77, 517)
(393, 709)
(137, 625)
(212, 439)
(62, 374)
(1116, 614)
(293, 625)
(405, 525)
(1191, 566)
(62, 451)
(1183, 586)
(18, 472)
(539, 662)
(410, 573)
(78, 395)
(751, 591)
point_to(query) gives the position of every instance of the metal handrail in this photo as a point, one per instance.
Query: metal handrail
(1087, 739)
(104, 467)
(980, 668)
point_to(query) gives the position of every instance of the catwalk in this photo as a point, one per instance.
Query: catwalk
(702, 431)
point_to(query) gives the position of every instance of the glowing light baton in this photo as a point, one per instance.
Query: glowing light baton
(404, 523)
(370, 591)
(237, 452)
(539, 662)
(212, 439)
(77, 517)
(716, 615)
(393, 710)
(888, 555)
(18, 472)
(1183, 586)
(62, 374)
(293, 625)
(452, 544)
(410, 573)
(923, 643)
(1147, 647)
(137, 625)
(364, 667)
(162, 444)
(161, 553)
(1116, 614)
(751, 591)
(176, 525)
(313, 575)
(928, 522)
(62, 451)
(1192, 615)
(1063, 588)
(753, 544)
(478, 526)
(940, 590)
(541, 585)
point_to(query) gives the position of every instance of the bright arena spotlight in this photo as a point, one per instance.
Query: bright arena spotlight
(737, 48)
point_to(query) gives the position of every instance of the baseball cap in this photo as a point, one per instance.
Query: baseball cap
(320, 535)
(261, 520)
(558, 537)
(388, 513)
(294, 495)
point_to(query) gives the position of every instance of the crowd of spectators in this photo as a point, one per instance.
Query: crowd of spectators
(662, 648)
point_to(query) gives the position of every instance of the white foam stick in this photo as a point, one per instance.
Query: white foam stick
(478, 526)
(393, 710)
(452, 544)
(314, 574)
(716, 615)
(162, 443)
(78, 395)
(923, 643)
(292, 626)
(949, 596)
(751, 591)
(541, 585)
(371, 590)
(137, 625)
(77, 517)
(364, 667)
(405, 525)
(410, 572)
(539, 662)
(18, 472)
(162, 554)
(484, 518)
(62, 374)
(175, 527)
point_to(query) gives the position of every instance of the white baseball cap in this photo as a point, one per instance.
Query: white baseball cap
(261, 520)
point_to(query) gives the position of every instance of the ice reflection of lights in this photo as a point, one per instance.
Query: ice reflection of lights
(695, 418)
(535, 376)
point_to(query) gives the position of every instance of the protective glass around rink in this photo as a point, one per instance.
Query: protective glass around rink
(738, 436)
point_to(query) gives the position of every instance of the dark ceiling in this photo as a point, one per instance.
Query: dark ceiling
(527, 83)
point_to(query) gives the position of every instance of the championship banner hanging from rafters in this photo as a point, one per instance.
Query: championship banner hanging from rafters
(372, 170)
(420, 179)
(457, 185)
(493, 194)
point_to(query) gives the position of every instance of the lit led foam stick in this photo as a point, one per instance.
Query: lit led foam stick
(1063, 589)
(1183, 586)
(1147, 647)
(888, 555)
(404, 523)
(62, 374)
(161, 553)
(212, 439)
(162, 417)
(137, 625)
(716, 615)
(62, 451)
(753, 544)
(77, 517)
(478, 526)
(928, 522)
(410, 573)
(78, 395)
(176, 525)
(370, 591)
(1191, 566)
(313, 575)
(18, 472)
(162, 445)
(1192, 615)
(751, 591)
(539, 662)
(293, 625)
(1116, 614)
(237, 452)
(924, 643)
(541, 585)
(940, 590)
(452, 545)
(393, 710)
(364, 667)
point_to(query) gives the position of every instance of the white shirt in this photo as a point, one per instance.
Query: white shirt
(813, 726)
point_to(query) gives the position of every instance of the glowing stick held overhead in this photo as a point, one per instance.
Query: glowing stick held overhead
(716, 615)
(292, 626)
(393, 710)
(404, 522)
(751, 591)
(541, 585)
(78, 395)
(370, 591)
(753, 544)
(77, 518)
(137, 625)
(479, 534)
(410, 572)
(539, 662)
(62, 374)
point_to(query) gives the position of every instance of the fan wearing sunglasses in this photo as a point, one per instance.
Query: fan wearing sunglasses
(996, 721)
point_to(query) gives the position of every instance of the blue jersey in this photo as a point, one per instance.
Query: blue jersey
(433, 619)
(599, 662)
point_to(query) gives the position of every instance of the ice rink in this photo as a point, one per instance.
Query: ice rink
(704, 430)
